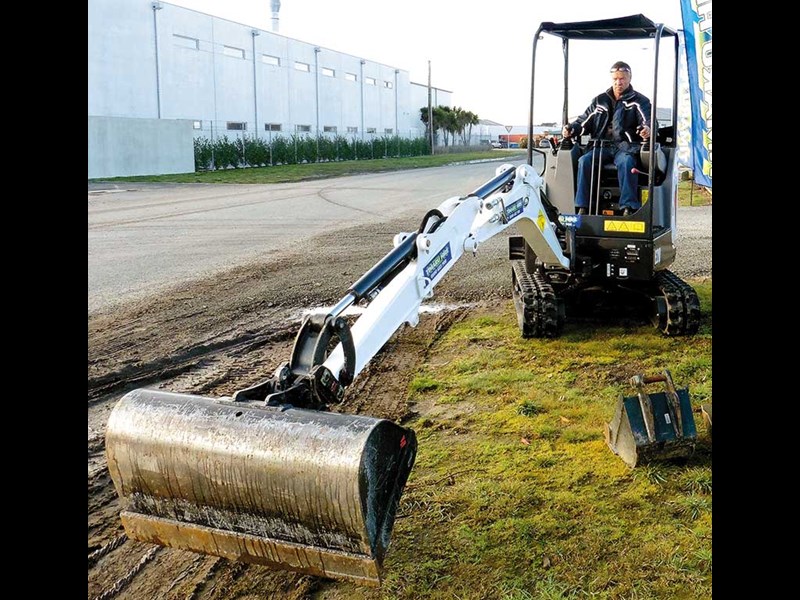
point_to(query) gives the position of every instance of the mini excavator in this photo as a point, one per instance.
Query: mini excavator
(269, 476)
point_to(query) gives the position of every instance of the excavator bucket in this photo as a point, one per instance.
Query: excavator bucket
(300, 490)
(656, 426)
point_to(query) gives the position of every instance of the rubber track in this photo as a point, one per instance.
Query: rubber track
(683, 305)
(540, 316)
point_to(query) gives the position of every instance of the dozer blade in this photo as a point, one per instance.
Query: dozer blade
(649, 427)
(300, 490)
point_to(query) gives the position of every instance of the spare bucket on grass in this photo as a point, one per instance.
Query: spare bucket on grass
(655, 426)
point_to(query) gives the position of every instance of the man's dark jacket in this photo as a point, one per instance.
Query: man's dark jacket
(629, 113)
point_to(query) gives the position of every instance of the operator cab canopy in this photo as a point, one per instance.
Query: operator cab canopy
(621, 28)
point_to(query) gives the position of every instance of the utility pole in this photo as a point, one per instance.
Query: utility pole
(255, 33)
(362, 101)
(157, 6)
(430, 107)
(317, 50)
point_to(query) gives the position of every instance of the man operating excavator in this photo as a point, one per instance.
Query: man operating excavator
(617, 120)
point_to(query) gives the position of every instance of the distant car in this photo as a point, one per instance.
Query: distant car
(544, 144)
(495, 144)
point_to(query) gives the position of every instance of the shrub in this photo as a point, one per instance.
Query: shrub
(306, 148)
(364, 150)
(327, 149)
(283, 152)
(203, 153)
(246, 151)
(255, 152)
(346, 149)
(226, 153)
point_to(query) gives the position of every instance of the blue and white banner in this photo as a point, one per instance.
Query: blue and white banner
(697, 33)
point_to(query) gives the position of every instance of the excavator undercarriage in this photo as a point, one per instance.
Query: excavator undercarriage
(544, 303)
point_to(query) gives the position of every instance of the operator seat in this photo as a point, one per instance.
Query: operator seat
(608, 172)
(608, 175)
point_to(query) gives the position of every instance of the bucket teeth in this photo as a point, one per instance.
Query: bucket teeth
(311, 560)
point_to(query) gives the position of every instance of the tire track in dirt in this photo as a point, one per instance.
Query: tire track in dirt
(380, 391)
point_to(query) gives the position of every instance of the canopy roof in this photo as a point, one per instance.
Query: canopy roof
(621, 28)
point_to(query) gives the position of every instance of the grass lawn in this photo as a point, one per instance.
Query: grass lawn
(305, 172)
(515, 494)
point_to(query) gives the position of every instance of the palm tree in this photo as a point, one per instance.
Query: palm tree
(472, 119)
(465, 119)
(452, 122)
(449, 123)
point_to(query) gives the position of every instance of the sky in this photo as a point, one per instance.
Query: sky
(479, 51)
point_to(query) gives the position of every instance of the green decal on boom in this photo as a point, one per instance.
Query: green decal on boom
(515, 209)
(437, 263)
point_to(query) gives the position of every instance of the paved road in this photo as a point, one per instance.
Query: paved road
(143, 238)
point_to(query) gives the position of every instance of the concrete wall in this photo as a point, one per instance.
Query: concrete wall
(120, 146)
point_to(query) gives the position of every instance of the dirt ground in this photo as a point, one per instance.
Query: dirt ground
(217, 335)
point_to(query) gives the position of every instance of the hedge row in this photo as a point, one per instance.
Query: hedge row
(225, 153)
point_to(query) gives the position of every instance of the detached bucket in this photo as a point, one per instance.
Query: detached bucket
(299, 490)
(656, 426)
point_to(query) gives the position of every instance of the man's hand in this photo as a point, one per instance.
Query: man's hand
(644, 132)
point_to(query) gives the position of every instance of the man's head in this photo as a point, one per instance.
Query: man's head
(620, 77)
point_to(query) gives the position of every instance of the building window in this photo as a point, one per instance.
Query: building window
(388, 130)
(371, 130)
(351, 77)
(388, 84)
(301, 66)
(369, 80)
(352, 130)
(328, 72)
(303, 128)
(271, 60)
(234, 52)
(272, 126)
(185, 41)
(237, 126)
(197, 124)
(329, 129)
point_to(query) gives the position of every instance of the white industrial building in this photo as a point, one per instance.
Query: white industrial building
(160, 75)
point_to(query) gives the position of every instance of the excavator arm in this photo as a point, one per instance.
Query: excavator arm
(397, 285)
(268, 476)
(465, 223)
